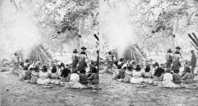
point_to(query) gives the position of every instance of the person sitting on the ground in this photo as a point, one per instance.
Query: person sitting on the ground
(159, 73)
(65, 75)
(35, 75)
(188, 77)
(26, 64)
(128, 74)
(168, 80)
(74, 81)
(91, 66)
(121, 74)
(27, 75)
(176, 77)
(186, 64)
(83, 77)
(94, 78)
(120, 63)
(60, 67)
(43, 76)
(137, 75)
(147, 73)
(54, 76)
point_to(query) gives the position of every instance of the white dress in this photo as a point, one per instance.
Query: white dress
(137, 77)
(43, 78)
(147, 77)
(168, 81)
(74, 81)
(54, 79)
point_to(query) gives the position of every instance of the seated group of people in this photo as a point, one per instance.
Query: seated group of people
(58, 74)
(130, 72)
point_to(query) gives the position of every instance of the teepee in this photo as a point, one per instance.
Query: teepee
(37, 53)
(194, 40)
(131, 52)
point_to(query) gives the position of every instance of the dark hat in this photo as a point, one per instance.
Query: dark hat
(178, 48)
(83, 48)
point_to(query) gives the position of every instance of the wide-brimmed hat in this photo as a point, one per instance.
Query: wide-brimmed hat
(178, 48)
(83, 48)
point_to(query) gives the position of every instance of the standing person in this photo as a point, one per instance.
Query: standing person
(74, 59)
(84, 50)
(109, 62)
(16, 63)
(169, 58)
(178, 51)
(176, 61)
(193, 62)
(82, 64)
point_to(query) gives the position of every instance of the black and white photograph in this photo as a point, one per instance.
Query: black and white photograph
(98, 52)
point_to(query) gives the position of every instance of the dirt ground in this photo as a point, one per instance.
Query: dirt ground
(113, 93)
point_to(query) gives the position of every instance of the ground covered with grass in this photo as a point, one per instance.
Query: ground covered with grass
(113, 93)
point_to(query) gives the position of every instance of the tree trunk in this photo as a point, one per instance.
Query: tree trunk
(173, 42)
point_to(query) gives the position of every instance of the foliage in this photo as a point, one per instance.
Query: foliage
(62, 21)
(161, 19)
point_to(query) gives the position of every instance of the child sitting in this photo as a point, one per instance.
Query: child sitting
(188, 77)
(94, 78)
(128, 74)
(176, 77)
(83, 77)
(43, 76)
(35, 75)
(137, 75)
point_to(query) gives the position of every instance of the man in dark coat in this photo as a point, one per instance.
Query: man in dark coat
(169, 58)
(193, 62)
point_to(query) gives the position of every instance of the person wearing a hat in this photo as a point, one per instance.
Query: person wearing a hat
(84, 50)
(74, 59)
(82, 64)
(176, 64)
(169, 58)
(178, 51)
(128, 74)
(137, 75)
(193, 62)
